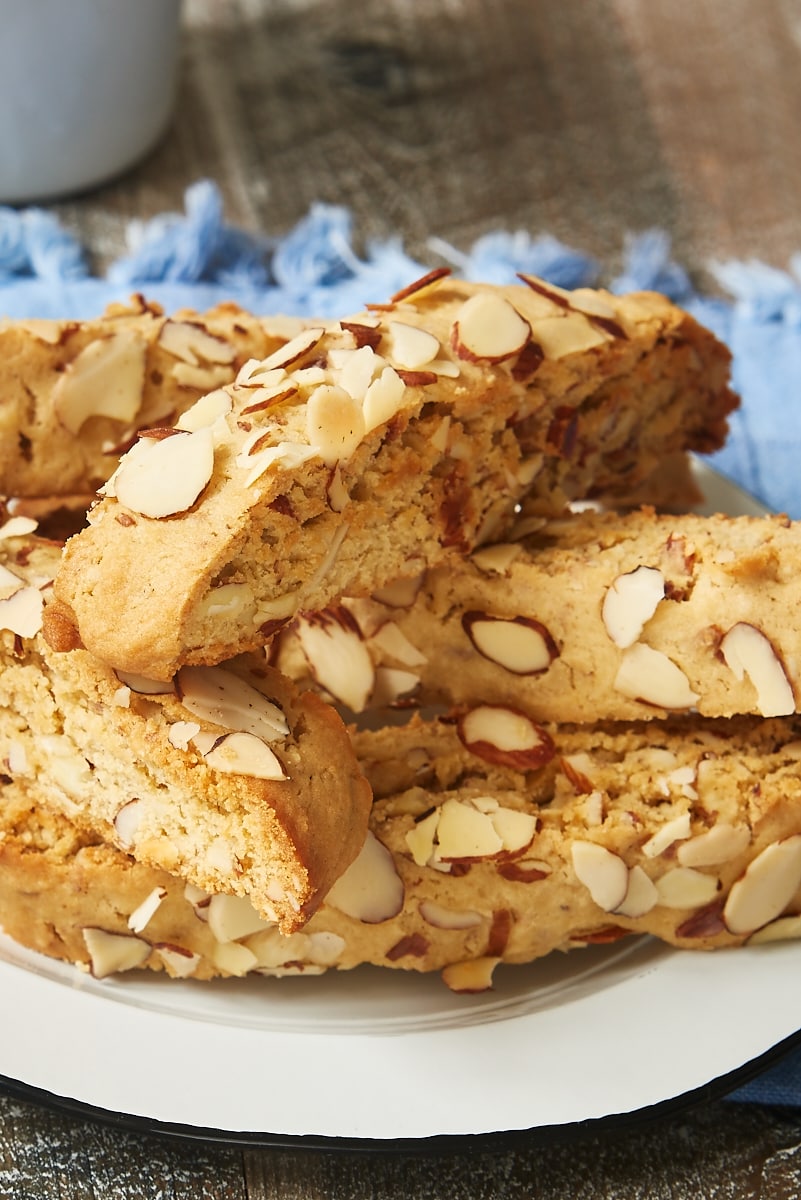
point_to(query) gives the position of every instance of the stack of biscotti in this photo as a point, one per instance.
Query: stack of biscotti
(333, 482)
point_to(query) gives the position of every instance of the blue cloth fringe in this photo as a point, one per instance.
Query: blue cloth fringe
(195, 259)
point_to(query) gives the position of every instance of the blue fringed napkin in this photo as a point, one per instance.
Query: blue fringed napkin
(194, 259)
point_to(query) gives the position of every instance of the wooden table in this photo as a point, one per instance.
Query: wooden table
(586, 119)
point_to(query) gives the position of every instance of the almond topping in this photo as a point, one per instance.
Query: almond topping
(412, 347)
(162, 477)
(193, 344)
(334, 423)
(488, 328)
(603, 873)
(641, 895)
(226, 699)
(105, 380)
(114, 952)
(242, 754)
(765, 889)
(684, 887)
(370, 890)
(720, 844)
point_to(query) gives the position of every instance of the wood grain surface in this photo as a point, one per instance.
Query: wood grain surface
(447, 119)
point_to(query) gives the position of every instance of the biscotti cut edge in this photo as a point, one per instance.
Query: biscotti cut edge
(231, 777)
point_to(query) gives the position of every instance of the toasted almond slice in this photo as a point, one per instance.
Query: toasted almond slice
(159, 478)
(487, 327)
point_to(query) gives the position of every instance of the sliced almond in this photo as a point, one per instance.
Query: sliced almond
(243, 754)
(487, 327)
(205, 411)
(720, 844)
(641, 895)
(676, 829)
(161, 477)
(337, 656)
(393, 642)
(111, 953)
(226, 699)
(449, 918)
(765, 889)
(23, 612)
(520, 645)
(179, 962)
(557, 337)
(684, 887)
(496, 560)
(472, 976)
(747, 651)
(503, 735)
(370, 890)
(603, 873)
(293, 350)
(630, 602)
(465, 833)
(106, 379)
(400, 594)
(651, 677)
(233, 917)
(126, 822)
(142, 914)
(191, 343)
(383, 398)
(233, 958)
(412, 347)
(335, 424)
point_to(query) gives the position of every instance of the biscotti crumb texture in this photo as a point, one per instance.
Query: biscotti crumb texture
(597, 616)
(470, 861)
(398, 439)
(230, 777)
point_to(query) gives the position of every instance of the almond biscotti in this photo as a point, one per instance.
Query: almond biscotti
(597, 616)
(74, 394)
(683, 829)
(230, 776)
(377, 445)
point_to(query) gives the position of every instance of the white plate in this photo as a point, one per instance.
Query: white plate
(387, 1057)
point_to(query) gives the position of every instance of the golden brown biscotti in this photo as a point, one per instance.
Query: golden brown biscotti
(596, 616)
(230, 776)
(686, 830)
(400, 438)
(74, 394)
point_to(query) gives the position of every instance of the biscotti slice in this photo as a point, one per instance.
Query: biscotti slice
(597, 616)
(374, 445)
(686, 830)
(230, 776)
(74, 394)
